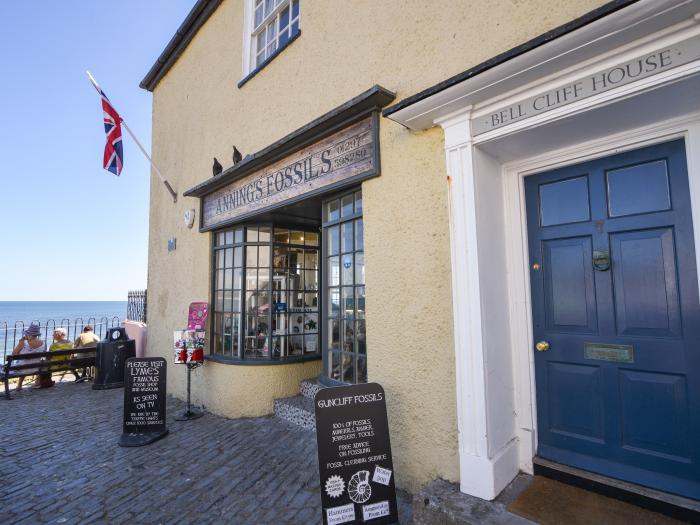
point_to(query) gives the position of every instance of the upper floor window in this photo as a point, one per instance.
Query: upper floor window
(275, 22)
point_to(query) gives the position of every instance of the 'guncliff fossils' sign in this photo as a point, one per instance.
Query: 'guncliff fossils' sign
(640, 67)
(354, 455)
(329, 162)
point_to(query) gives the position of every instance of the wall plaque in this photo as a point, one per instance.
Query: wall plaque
(338, 158)
(354, 455)
(608, 352)
(640, 67)
(144, 401)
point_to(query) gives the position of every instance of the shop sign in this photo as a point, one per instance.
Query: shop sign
(354, 455)
(640, 67)
(197, 316)
(144, 401)
(338, 158)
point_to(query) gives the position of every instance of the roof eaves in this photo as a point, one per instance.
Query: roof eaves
(196, 18)
(555, 33)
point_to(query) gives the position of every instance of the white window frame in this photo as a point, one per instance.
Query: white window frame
(250, 33)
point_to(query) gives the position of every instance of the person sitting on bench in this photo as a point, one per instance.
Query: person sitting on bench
(60, 342)
(87, 339)
(29, 343)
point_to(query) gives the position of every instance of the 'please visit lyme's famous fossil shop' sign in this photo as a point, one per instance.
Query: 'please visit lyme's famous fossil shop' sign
(336, 159)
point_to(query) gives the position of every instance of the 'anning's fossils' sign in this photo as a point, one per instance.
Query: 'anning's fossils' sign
(330, 162)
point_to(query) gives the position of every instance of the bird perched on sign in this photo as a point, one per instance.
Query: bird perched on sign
(236, 156)
(217, 167)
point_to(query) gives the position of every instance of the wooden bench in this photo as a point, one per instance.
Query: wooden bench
(50, 362)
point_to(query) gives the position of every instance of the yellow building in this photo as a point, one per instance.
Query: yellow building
(427, 192)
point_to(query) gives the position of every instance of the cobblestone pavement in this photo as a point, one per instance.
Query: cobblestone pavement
(60, 463)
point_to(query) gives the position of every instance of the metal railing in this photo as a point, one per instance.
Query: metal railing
(136, 306)
(10, 335)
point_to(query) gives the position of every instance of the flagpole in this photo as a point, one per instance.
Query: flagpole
(173, 193)
(155, 168)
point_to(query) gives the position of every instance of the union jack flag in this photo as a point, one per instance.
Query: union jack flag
(114, 155)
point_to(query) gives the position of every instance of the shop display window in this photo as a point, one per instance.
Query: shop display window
(345, 348)
(266, 293)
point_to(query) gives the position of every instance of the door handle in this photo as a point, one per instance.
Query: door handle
(601, 260)
(542, 346)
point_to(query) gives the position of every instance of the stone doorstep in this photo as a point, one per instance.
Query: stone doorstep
(441, 503)
(298, 410)
(310, 387)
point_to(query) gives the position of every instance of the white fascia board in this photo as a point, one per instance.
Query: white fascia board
(613, 31)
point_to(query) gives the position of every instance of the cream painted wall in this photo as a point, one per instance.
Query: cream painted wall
(345, 48)
(248, 391)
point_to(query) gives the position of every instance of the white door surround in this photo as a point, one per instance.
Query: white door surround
(488, 234)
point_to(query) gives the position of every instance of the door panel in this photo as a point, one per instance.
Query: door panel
(645, 284)
(640, 188)
(564, 201)
(581, 414)
(569, 288)
(654, 414)
(615, 294)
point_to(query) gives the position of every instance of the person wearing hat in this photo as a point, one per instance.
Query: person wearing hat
(29, 343)
(60, 342)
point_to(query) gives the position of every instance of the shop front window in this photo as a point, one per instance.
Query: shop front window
(266, 302)
(345, 347)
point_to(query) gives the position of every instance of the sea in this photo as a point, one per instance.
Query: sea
(72, 315)
(44, 311)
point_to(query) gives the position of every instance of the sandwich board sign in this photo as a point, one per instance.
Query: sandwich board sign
(144, 401)
(354, 455)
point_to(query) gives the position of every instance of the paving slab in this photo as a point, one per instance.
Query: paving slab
(442, 503)
(60, 463)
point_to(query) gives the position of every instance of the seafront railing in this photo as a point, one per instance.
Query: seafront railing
(136, 305)
(11, 334)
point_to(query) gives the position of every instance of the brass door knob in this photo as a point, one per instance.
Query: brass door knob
(542, 346)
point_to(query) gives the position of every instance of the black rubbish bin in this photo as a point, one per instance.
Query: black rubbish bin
(112, 353)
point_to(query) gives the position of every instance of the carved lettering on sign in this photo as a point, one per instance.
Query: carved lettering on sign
(640, 67)
(337, 158)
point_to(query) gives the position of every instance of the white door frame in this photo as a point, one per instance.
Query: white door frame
(490, 268)
(514, 173)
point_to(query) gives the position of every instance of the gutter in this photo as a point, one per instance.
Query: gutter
(196, 18)
(538, 41)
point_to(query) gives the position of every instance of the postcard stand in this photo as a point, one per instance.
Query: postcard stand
(189, 350)
(189, 413)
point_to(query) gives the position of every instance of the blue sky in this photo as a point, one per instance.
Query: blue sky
(71, 230)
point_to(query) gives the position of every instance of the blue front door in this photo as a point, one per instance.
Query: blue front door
(616, 318)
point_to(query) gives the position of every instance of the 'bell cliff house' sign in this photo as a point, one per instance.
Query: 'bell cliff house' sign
(341, 158)
(649, 64)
